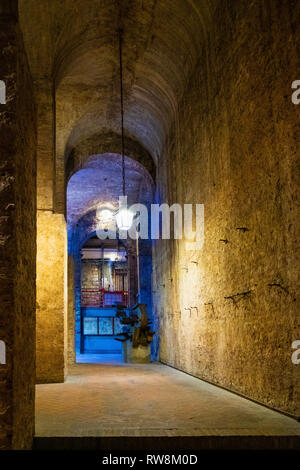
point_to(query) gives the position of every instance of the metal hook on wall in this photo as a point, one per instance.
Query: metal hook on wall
(196, 309)
(187, 308)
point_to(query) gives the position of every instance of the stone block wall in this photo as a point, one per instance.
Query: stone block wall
(51, 317)
(230, 312)
(17, 237)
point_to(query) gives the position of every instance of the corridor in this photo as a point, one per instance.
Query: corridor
(141, 400)
(149, 213)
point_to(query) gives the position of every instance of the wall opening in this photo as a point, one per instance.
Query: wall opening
(103, 273)
(104, 284)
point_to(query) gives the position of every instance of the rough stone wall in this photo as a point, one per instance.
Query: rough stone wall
(234, 148)
(45, 144)
(17, 239)
(52, 308)
(145, 248)
(51, 328)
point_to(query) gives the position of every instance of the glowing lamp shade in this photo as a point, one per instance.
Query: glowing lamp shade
(106, 214)
(105, 217)
(113, 256)
(124, 219)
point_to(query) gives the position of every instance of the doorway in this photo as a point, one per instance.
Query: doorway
(104, 284)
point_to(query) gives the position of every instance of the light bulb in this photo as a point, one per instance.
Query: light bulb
(104, 218)
(124, 218)
(106, 214)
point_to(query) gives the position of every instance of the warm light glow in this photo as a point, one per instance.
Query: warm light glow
(113, 256)
(104, 218)
(106, 214)
(124, 219)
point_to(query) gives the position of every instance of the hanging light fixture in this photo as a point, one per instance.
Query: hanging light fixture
(124, 216)
(113, 256)
(105, 217)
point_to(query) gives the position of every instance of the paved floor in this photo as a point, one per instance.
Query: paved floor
(149, 400)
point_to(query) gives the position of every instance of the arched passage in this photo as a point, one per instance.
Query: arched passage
(92, 277)
(207, 99)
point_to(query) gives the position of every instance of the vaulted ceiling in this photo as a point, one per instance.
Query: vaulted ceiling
(100, 182)
(73, 47)
(75, 43)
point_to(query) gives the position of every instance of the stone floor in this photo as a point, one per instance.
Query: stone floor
(149, 400)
